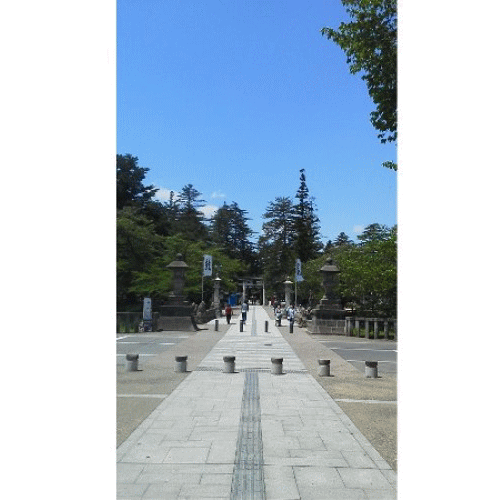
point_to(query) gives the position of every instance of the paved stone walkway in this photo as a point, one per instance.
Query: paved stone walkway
(251, 434)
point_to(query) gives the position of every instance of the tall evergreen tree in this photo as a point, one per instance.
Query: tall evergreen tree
(190, 219)
(277, 241)
(342, 239)
(229, 229)
(306, 223)
(130, 191)
(375, 232)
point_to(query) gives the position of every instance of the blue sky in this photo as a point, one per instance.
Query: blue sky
(235, 97)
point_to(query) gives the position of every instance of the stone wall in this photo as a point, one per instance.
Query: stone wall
(320, 326)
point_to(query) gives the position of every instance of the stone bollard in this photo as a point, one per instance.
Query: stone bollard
(266, 326)
(367, 328)
(324, 367)
(241, 325)
(356, 327)
(229, 364)
(180, 364)
(371, 369)
(216, 325)
(291, 327)
(132, 362)
(277, 366)
(375, 329)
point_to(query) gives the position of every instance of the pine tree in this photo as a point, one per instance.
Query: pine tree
(306, 224)
(277, 241)
(343, 239)
(190, 219)
(130, 191)
(229, 229)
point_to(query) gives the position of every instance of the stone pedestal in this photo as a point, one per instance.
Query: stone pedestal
(177, 317)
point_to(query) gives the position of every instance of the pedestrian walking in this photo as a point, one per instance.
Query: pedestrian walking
(291, 315)
(244, 309)
(277, 315)
(228, 311)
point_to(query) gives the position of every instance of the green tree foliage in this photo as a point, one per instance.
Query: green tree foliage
(369, 277)
(342, 239)
(375, 232)
(189, 218)
(230, 231)
(370, 43)
(129, 187)
(368, 273)
(138, 247)
(156, 280)
(277, 241)
(306, 224)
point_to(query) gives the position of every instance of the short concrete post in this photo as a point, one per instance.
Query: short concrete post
(266, 326)
(367, 328)
(277, 366)
(229, 364)
(180, 364)
(386, 330)
(241, 325)
(375, 329)
(371, 369)
(216, 325)
(356, 327)
(291, 327)
(324, 367)
(347, 325)
(132, 362)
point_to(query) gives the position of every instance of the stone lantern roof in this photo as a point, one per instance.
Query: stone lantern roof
(179, 263)
(330, 267)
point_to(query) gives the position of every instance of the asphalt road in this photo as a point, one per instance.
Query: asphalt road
(147, 345)
(356, 352)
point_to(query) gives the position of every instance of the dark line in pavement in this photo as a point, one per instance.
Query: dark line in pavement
(248, 472)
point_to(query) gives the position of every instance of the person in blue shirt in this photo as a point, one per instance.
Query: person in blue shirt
(244, 309)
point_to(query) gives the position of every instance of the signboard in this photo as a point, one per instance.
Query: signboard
(298, 271)
(207, 265)
(147, 313)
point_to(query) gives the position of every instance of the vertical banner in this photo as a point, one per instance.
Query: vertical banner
(298, 271)
(207, 265)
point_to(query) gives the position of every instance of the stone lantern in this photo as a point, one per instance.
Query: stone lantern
(328, 317)
(178, 267)
(288, 292)
(177, 314)
(330, 273)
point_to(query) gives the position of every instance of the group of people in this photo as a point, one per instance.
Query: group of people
(228, 312)
(278, 314)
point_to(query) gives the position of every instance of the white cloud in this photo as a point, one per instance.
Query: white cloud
(208, 210)
(163, 194)
(358, 229)
(217, 194)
